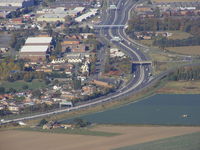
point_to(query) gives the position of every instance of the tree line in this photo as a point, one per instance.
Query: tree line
(164, 42)
(190, 25)
(185, 73)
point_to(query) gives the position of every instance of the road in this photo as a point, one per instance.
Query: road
(140, 77)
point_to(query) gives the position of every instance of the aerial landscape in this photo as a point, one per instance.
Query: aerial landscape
(99, 74)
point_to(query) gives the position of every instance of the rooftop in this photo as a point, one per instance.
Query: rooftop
(34, 49)
(39, 40)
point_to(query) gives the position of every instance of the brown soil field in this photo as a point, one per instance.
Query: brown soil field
(23, 140)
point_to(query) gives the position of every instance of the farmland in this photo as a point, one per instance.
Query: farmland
(129, 135)
(185, 142)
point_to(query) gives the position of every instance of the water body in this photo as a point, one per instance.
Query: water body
(156, 110)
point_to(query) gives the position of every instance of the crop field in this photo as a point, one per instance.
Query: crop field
(129, 135)
(185, 142)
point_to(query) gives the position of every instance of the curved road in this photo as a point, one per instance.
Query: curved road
(140, 77)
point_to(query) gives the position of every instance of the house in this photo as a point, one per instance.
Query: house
(44, 69)
(69, 44)
(89, 90)
(2, 107)
(68, 95)
(47, 126)
(143, 8)
(16, 20)
(114, 52)
(101, 83)
(66, 103)
(58, 61)
(66, 126)
(75, 57)
(85, 68)
(14, 109)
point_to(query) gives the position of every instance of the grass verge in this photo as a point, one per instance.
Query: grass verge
(71, 131)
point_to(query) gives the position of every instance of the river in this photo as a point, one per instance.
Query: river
(164, 109)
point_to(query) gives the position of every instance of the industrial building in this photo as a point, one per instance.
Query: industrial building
(16, 3)
(34, 53)
(38, 41)
(58, 14)
(36, 49)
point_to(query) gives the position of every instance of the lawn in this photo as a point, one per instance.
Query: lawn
(18, 85)
(179, 35)
(185, 142)
(187, 50)
(146, 42)
(71, 131)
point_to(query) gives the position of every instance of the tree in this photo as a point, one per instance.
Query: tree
(76, 84)
(80, 123)
(2, 90)
(42, 122)
(12, 90)
(25, 87)
(36, 93)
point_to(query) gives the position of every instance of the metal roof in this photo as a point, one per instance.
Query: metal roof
(39, 40)
(34, 49)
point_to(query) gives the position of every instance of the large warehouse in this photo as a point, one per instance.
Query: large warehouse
(36, 49)
(16, 3)
(34, 53)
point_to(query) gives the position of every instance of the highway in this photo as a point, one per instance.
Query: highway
(140, 77)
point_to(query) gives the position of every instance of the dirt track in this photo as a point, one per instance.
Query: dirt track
(21, 140)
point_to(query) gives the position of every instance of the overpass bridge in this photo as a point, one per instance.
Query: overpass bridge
(142, 62)
(108, 26)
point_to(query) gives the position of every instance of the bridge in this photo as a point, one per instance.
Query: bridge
(142, 62)
(109, 26)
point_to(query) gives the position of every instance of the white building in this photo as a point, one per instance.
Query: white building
(17, 3)
(85, 68)
(114, 52)
(87, 15)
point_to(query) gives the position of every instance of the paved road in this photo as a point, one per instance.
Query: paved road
(140, 77)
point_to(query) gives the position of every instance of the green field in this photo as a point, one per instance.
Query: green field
(185, 142)
(185, 50)
(71, 131)
(18, 85)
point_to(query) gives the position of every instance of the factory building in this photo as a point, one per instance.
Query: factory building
(36, 49)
